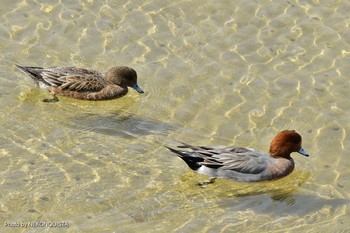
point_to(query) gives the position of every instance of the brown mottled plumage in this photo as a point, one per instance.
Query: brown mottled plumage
(82, 83)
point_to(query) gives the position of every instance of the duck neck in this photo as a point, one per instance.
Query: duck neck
(113, 77)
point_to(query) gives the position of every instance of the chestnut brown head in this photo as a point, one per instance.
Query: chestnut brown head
(286, 142)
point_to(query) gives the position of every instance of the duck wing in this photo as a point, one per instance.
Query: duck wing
(68, 78)
(239, 159)
(74, 82)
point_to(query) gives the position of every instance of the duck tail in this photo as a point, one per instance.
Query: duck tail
(190, 158)
(30, 71)
(25, 69)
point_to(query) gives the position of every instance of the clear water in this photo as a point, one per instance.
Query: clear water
(214, 73)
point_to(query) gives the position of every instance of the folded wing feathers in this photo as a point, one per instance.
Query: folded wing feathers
(51, 78)
(72, 82)
(244, 160)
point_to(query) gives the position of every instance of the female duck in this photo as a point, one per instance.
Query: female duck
(84, 84)
(245, 164)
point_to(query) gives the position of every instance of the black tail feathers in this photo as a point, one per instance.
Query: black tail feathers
(190, 158)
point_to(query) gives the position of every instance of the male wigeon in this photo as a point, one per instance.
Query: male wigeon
(245, 164)
(82, 83)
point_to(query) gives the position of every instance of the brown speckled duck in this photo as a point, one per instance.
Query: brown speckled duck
(82, 83)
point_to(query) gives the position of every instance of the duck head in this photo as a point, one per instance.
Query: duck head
(286, 142)
(123, 76)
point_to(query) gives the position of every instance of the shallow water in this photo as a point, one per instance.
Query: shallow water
(223, 73)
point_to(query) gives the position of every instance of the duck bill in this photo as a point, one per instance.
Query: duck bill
(138, 89)
(303, 152)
